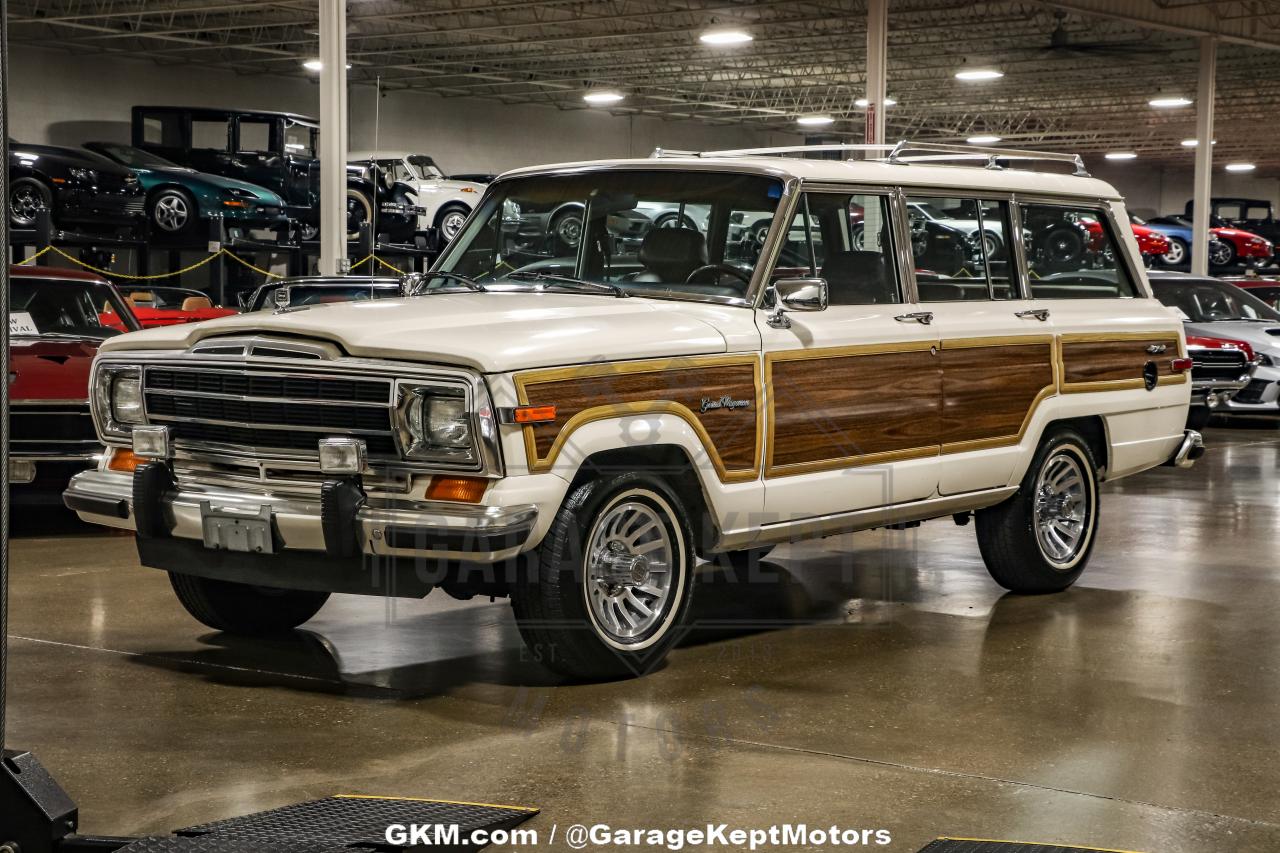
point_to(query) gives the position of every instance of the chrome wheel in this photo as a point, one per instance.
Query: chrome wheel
(569, 230)
(451, 223)
(1176, 254)
(171, 212)
(631, 578)
(1220, 254)
(1062, 508)
(24, 201)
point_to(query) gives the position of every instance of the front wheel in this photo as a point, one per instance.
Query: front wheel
(1039, 540)
(450, 221)
(174, 212)
(26, 197)
(1177, 254)
(239, 608)
(1221, 253)
(359, 211)
(607, 591)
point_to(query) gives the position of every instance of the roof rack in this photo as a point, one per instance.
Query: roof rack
(900, 154)
(938, 151)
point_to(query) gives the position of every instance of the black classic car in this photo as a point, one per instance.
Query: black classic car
(275, 150)
(83, 191)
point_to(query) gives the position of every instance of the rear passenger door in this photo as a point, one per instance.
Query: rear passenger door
(853, 390)
(996, 349)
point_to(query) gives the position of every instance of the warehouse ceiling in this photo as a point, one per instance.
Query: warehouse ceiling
(1078, 74)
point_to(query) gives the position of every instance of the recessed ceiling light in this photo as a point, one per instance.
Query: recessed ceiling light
(863, 102)
(814, 120)
(979, 74)
(1120, 155)
(1169, 101)
(1192, 143)
(1240, 167)
(723, 38)
(983, 140)
(317, 65)
(603, 96)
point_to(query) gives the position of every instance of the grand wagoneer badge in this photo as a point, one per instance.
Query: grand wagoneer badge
(725, 402)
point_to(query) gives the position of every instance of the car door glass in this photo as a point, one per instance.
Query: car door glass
(848, 237)
(958, 246)
(255, 136)
(299, 141)
(1073, 253)
(210, 135)
(163, 130)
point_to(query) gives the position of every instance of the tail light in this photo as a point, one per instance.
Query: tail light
(1182, 365)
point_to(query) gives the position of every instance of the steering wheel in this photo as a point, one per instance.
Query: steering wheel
(728, 269)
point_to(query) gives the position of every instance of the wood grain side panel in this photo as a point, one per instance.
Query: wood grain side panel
(1115, 360)
(840, 408)
(733, 431)
(988, 391)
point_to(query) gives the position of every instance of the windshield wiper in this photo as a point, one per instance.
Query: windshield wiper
(568, 282)
(468, 283)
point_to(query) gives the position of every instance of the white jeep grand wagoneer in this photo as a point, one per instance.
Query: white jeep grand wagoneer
(575, 428)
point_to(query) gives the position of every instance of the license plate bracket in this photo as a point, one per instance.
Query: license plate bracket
(228, 530)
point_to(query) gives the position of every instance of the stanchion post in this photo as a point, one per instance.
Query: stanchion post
(44, 232)
(217, 267)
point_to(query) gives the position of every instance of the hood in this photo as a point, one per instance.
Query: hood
(490, 332)
(448, 184)
(50, 370)
(1264, 337)
(75, 157)
(1235, 233)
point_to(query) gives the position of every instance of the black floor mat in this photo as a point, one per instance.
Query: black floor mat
(971, 845)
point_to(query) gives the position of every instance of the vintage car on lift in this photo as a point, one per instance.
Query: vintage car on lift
(82, 191)
(169, 306)
(574, 431)
(446, 202)
(1212, 307)
(179, 198)
(57, 320)
(273, 150)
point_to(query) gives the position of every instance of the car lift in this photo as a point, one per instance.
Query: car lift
(37, 816)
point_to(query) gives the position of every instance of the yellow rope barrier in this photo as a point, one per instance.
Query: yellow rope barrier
(33, 258)
(155, 276)
(380, 261)
(243, 262)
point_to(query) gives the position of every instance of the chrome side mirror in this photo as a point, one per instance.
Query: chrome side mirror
(797, 294)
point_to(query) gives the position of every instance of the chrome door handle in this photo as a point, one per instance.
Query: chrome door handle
(922, 317)
(1040, 314)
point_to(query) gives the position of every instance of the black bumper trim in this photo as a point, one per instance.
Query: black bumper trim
(97, 506)
(458, 541)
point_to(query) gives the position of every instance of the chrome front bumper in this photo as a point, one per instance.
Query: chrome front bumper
(393, 528)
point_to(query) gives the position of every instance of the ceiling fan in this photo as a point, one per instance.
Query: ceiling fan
(1061, 44)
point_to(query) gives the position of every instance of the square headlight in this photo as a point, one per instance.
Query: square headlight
(435, 424)
(117, 399)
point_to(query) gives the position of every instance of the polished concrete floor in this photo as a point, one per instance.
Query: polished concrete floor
(879, 680)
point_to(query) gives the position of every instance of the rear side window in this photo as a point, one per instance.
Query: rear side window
(255, 135)
(162, 129)
(959, 248)
(209, 134)
(1073, 253)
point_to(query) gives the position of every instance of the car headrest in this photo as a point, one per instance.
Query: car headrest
(196, 303)
(856, 278)
(673, 253)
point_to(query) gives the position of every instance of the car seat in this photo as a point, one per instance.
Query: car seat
(857, 278)
(670, 254)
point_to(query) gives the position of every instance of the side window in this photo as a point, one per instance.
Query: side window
(1259, 214)
(300, 141)
(209, 134)
(255, 136)
(959, 248)
(1072, 253)
(162, 129)
(849, 239)
(1229, 211)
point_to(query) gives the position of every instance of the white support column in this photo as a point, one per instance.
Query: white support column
(1203, 189)
(333, 137)
(877, 50)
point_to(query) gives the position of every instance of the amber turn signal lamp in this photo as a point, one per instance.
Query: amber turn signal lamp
(464, 489)
(124, 460)
(535, 414)
(1182, 365)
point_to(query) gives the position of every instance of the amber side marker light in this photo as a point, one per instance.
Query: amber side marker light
(463, 489)
(1182, 365)
(534, 414)
(124, 460)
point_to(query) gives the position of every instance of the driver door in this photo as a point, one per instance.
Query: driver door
(854, 390)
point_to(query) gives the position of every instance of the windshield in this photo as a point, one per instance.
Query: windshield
(137, 158)
(426, 167)
(53, 307)
(1205, 301)
(321, 294)
(658, 232)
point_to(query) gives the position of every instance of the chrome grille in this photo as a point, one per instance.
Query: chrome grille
(52, 429)
(261, 409)
(1217, 364)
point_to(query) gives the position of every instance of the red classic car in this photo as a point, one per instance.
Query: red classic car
(1151, 243)
(56, 322)
(171, 306)
(1227, 246)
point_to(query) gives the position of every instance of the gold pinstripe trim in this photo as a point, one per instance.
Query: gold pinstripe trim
(640, 407)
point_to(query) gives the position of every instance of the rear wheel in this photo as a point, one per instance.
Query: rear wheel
(611, 584)
(174, 211)
(26, 197)
(1040, 539)
(1177, 254)
(450, 221)
(239, 608)
(566, 228)
(1221, 253)
(359, 211)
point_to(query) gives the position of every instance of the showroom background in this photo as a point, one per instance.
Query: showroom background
(65, 99)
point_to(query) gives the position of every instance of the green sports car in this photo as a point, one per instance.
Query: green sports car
(178, 198)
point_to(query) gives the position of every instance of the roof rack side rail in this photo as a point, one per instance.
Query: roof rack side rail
(993, 156)
(793, 149)
(659, 153)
